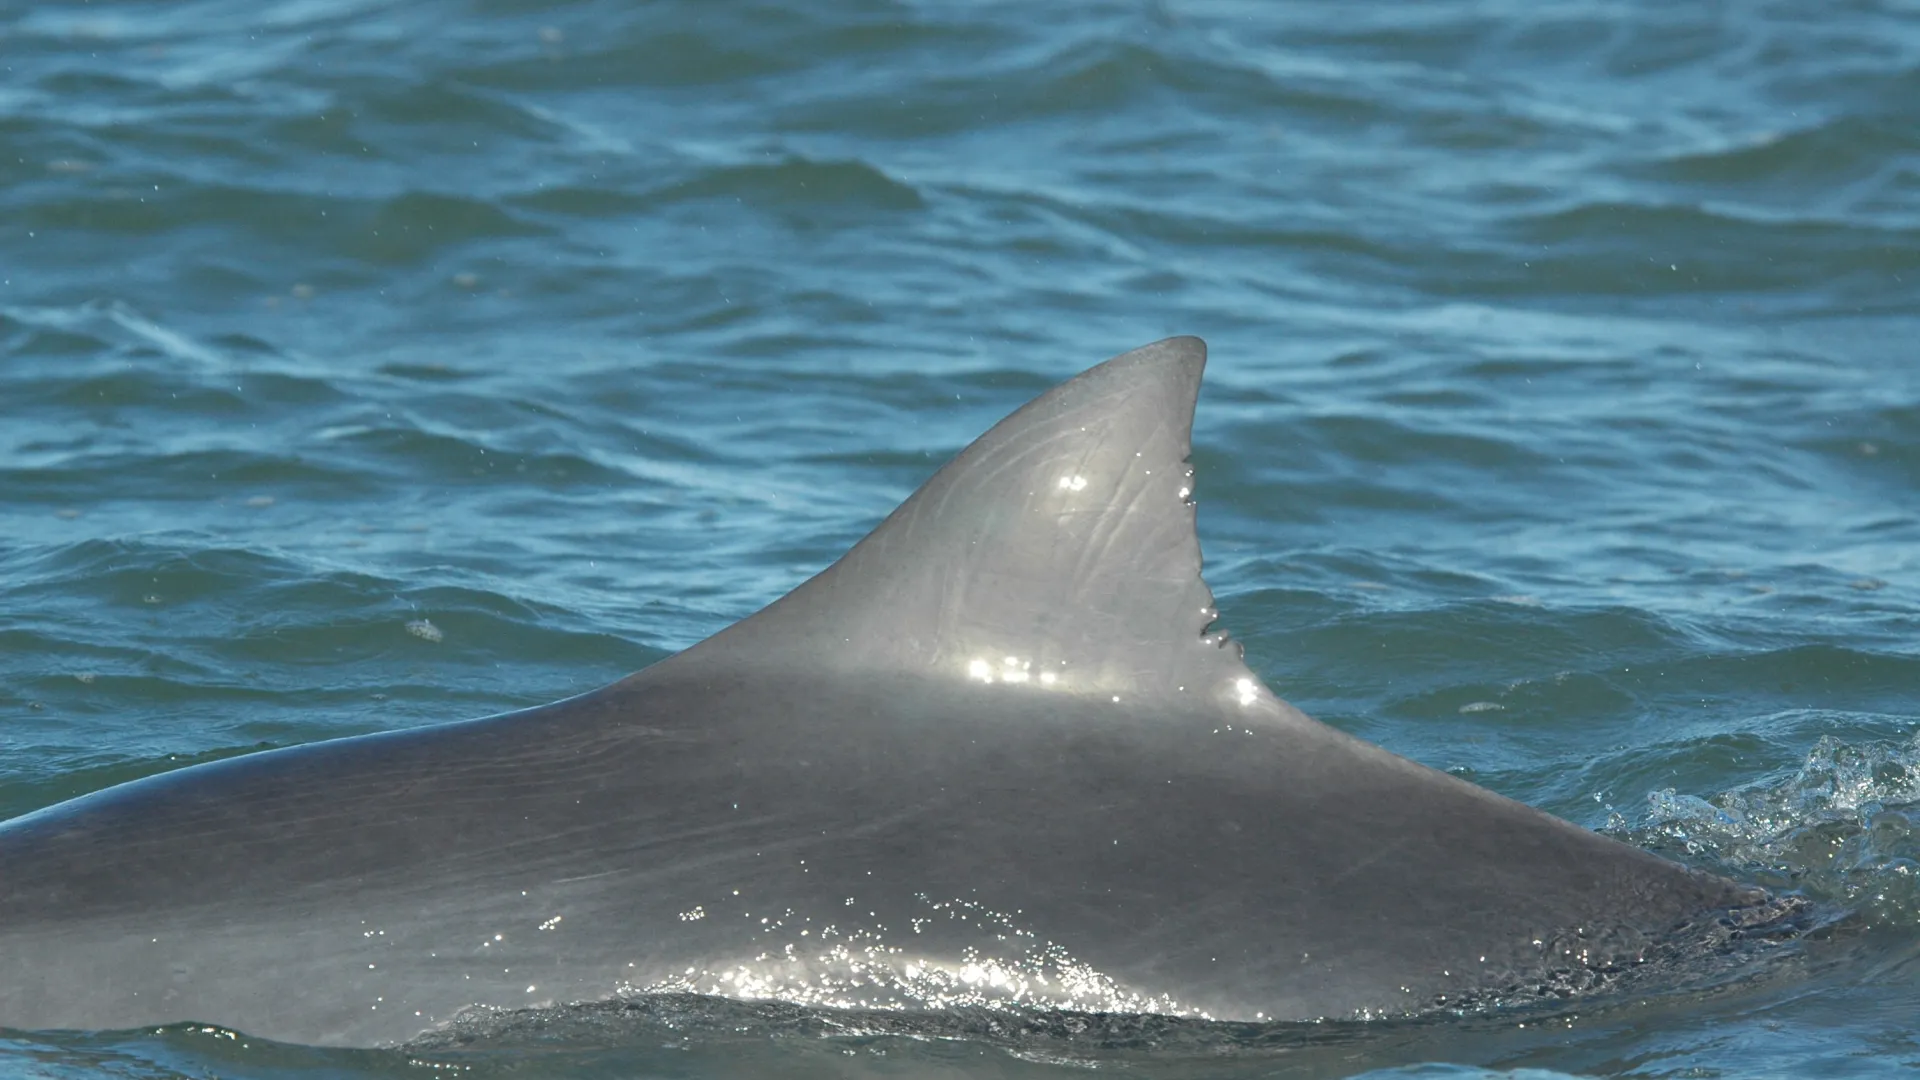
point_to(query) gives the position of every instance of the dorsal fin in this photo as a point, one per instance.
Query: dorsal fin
(1057, 552)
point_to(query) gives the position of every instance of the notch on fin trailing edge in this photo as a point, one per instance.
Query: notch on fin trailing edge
(1056, 553)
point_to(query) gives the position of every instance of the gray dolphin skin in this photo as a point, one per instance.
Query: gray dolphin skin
(996, 754)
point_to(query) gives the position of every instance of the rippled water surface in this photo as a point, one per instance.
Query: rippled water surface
(371, 364)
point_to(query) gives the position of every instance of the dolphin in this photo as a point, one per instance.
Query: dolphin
(998, 754)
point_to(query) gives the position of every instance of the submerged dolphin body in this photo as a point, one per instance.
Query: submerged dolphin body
(995, 753)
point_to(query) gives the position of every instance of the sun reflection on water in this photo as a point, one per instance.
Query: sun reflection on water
(838, 966)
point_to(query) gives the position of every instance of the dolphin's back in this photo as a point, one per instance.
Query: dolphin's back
(996, 753)
(363, 890)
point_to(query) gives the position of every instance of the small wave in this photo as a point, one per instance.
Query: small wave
(447, 457)
(1880, 445)
(212, 474)
(1840, 151)
(402, 228)
(418, 225)
(795, 183)
(644, 49)
(110, 324)
(1660, 249)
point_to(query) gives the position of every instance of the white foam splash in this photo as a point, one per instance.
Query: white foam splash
(1843, 827)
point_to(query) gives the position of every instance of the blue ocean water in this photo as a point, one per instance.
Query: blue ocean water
(372, 364)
